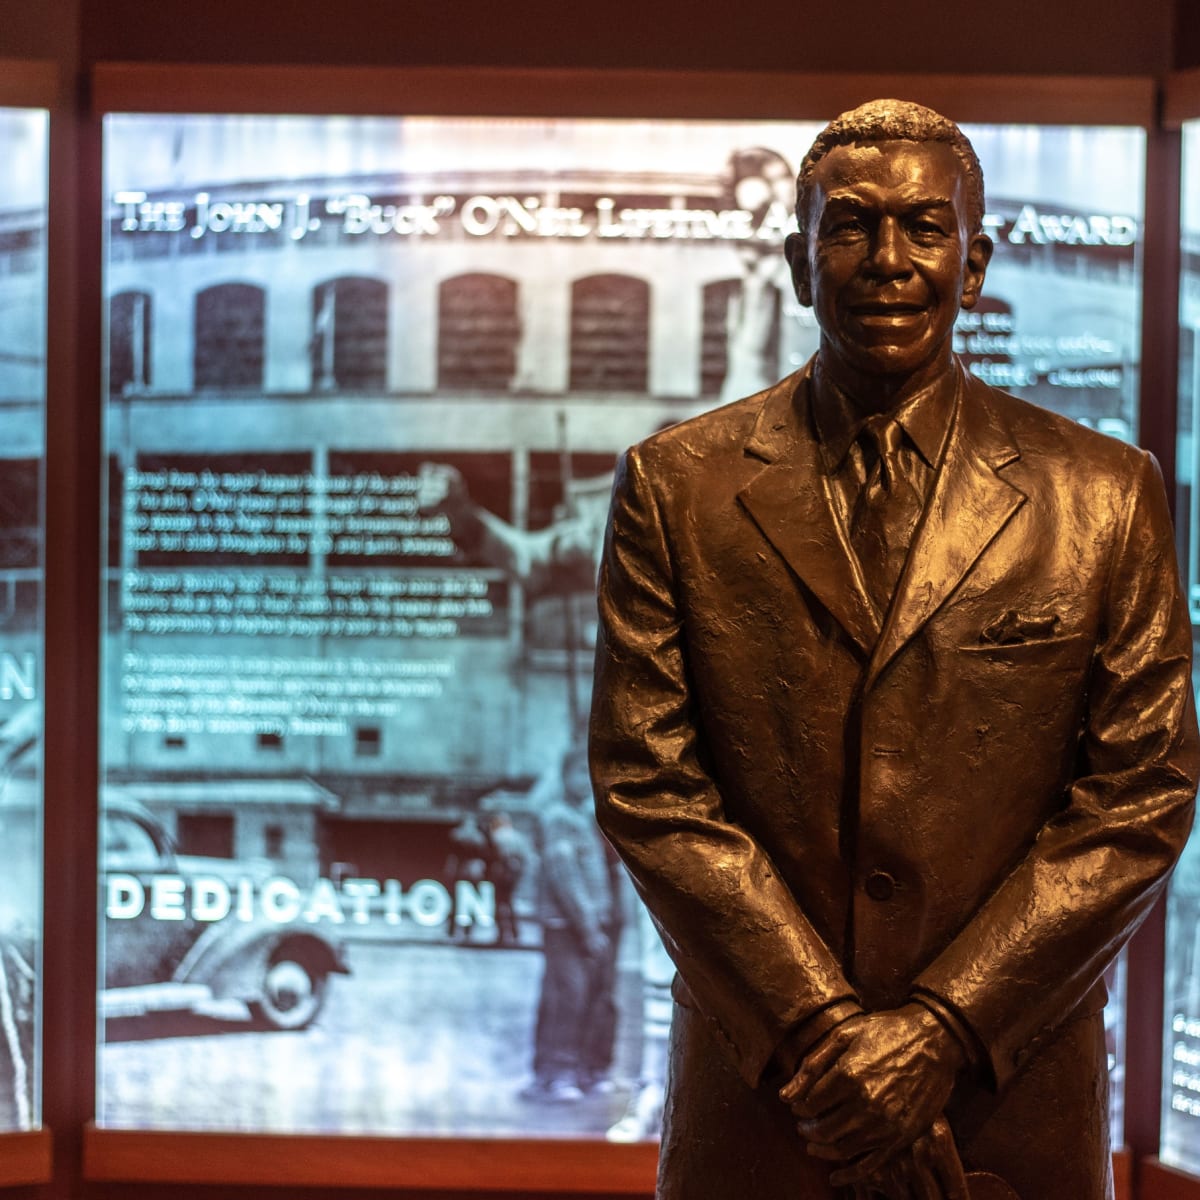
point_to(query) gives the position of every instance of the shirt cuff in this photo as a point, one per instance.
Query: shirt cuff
(958, 1029)
(801, 1038)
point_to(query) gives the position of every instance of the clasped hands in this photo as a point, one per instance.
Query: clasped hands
(869, 1098)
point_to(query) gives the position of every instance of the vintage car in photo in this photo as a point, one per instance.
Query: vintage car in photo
(190, 933)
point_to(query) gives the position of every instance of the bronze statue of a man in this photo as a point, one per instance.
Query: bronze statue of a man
(893, 727)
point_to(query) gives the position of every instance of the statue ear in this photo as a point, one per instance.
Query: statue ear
(795, 251)
(979, 254)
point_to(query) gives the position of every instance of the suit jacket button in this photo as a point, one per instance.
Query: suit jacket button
(880, 885)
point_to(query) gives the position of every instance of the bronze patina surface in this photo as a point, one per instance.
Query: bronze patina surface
(893, 727)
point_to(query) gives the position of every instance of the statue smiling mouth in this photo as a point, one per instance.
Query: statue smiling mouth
(883, 308)
(887, 314)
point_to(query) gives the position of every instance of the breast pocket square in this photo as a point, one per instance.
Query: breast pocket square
(1012, 627)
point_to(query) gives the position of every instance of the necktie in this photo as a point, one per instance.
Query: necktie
(886, 513)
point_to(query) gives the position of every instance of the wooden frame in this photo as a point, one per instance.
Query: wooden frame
(358, 1162)
(26, 1157)
(371, 1162)
(1181, 98)
(1154, 1180)
(28, 83)
(134, 87)
(510, 1165)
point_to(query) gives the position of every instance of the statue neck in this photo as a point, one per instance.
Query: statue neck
(872, 392)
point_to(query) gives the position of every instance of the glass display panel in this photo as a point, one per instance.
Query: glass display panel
(366, 383)
(1181, 1019)
(23, 150)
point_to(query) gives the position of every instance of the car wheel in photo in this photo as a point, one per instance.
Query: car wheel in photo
(292, 992)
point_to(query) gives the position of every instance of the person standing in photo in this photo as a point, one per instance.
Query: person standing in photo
(577, 902)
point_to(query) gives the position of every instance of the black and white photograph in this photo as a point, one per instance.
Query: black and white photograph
(1181, 1018)
(23, 135)
(366, 382)
(1181, 983)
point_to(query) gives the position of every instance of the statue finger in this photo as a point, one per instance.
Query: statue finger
(824, 1096)
(856, 1153)
(824, 1152)
(862, 1171)
(829, 1140)
(848, 1129)
(845, 1080)
(945, 1161)
(835, 1089)
(892, 1182)
(813, 1068)
(923, 1180)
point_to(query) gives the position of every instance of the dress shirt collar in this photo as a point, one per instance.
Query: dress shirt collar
(925, 417)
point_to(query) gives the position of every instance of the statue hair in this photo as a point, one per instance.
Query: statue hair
(892, 121)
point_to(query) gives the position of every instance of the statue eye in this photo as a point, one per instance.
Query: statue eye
(927, 228)
(845, 227)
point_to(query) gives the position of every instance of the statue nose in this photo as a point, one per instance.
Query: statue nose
(889, 254)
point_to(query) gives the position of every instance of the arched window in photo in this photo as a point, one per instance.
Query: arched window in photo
(610, 334)
(350, 334)
(20, 517)
(129, 328)
(230, 321)
(478, 331)
(740, 338)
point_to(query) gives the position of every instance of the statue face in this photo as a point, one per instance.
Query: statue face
(889, 259)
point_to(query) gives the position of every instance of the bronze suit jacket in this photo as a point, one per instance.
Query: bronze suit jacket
(980, 800)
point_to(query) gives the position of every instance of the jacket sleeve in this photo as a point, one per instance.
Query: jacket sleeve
(748, 955)
(1030, 954)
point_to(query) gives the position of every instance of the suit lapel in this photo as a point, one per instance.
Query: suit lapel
(969, 505)
(788, 502)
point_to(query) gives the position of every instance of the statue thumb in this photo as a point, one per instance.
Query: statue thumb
(983, 1185)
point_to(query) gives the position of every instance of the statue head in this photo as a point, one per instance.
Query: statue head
(890, 245)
